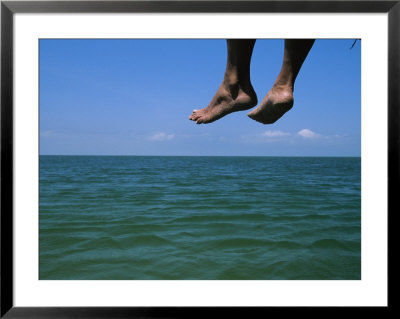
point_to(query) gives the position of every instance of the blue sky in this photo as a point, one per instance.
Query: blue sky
(134, 97)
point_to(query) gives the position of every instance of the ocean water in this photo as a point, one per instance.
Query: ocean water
(200, 218)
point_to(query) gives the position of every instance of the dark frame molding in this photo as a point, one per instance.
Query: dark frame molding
(8, 8)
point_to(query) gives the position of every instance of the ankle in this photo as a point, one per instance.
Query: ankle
(283, 87)
(231, 79)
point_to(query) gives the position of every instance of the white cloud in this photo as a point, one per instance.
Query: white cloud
(161, 137)
(275, 134)
(306, 133)
(271, 136)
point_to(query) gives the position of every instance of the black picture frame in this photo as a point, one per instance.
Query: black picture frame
(9, 8)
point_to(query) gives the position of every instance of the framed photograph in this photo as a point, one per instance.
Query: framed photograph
(182, 158)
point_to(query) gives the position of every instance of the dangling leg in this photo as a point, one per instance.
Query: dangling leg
(236, 92)
(279, 99)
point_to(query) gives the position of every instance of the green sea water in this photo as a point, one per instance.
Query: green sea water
(200, 218)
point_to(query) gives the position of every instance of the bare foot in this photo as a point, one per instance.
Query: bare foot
(228, 99)
(277, 102)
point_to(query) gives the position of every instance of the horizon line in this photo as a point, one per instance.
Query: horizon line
(119, 155)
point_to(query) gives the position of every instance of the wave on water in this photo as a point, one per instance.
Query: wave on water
(200, 218)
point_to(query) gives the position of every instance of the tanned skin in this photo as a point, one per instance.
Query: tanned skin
(236, 92)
